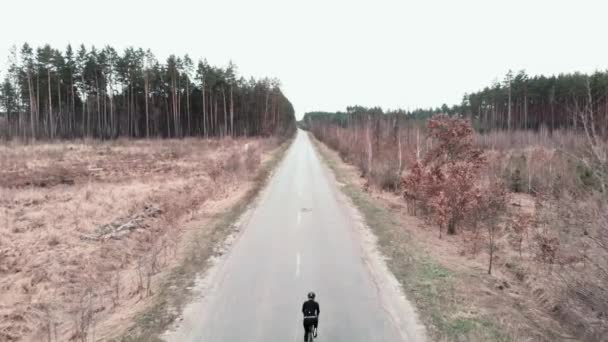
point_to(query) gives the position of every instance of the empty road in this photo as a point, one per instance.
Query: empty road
(301, 236)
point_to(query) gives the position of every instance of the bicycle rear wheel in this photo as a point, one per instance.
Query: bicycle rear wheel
(310, 333)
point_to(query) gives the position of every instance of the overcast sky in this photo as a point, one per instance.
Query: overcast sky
(333, 53)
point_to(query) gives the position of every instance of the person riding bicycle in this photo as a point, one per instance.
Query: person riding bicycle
(311, 311)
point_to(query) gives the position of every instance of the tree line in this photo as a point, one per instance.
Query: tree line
(47, 93)
(518, 102)
(524, 102)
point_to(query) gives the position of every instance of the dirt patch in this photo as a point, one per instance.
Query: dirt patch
(89, 232)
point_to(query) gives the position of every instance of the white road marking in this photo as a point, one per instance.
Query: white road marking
(298, 265)
(299, 217)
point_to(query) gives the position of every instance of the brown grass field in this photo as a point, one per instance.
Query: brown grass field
(87, 230)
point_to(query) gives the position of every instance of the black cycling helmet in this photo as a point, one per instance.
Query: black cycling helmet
(311, 295)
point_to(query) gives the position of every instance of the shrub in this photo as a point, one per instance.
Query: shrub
(515, 181)
(233, 163)
(215, 170)
(586, 176)
(387, 177)
(53, 240)
(520, 225)
(252, 160)
(445, 181)
(547, 248)
(490, 204)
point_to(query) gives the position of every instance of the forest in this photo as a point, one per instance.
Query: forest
(518, 102)
(47, 93)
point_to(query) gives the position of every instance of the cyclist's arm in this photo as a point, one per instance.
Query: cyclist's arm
(318, 309)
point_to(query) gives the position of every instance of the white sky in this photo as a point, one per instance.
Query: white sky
(330, 54)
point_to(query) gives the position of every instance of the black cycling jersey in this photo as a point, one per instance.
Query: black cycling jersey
(310, 308)
(311, 311)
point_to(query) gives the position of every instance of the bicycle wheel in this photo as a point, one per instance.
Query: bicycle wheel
(310, 333)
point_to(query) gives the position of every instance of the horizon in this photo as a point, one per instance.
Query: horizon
(392, 55)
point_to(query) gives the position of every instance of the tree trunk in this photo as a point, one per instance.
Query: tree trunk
(215, 117)
(32, 119)
(175, 113)
(188, 105)
(399, 153)
(264, 120)
(72, 106)
(451, 227)
(146, 89)
(99, 125)
(60, 116)
(369, 147)
(179, 105)
(51, 123)
(553, 117)
(509, 110)
(225, 113)
(85, 110)
(40, 126)
(167, 116)
(526, 111)
(129, 109)
(204, 109)
(113, 128)
(417, 144)
(231, 114)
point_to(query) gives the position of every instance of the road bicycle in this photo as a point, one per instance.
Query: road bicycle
(311, 331)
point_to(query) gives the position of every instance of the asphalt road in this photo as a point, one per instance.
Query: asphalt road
(300, 237)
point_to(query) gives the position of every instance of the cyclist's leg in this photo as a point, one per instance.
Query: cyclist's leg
(316, 325)
(306, 326)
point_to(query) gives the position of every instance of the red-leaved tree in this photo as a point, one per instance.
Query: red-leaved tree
(445, 182)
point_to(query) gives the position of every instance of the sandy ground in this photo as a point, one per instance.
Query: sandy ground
(87, 229)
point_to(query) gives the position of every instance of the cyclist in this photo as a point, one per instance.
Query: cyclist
(311, 311)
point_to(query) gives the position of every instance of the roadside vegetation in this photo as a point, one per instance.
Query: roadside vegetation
(433, 285)
(504, 227)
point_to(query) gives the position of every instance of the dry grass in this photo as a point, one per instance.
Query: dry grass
(537, 292)
(554, 265)
(60, 278)
(433, 287)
